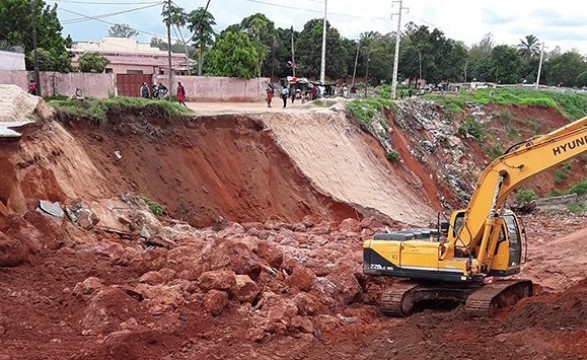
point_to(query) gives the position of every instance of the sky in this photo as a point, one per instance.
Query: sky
(556, 23)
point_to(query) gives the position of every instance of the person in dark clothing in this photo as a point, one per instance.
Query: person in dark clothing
(145, 92)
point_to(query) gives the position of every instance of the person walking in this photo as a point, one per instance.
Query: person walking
(284, 95)
(181, 94)
(269, 92)
(145, 92)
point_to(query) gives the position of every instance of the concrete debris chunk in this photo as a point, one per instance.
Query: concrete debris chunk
(51, 208)
(81, 214)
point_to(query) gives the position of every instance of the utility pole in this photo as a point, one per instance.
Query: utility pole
(356, 61)
(323, 59)
(293, 54)
(397, 40)
(539, 67)
(367, 72)
(33, 4)
(168, 4)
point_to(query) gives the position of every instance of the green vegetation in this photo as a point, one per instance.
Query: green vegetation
(365, 109)
(473, 128)
(494, 151)
(561, 174)
(154, 207)
(579, 188)
(576, 208)
(469, 175)
(574, 106)
(393, 156)
(525, 196)
(97, 109)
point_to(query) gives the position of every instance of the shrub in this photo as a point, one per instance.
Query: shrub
(576, 208)
(392, 156)
(579, 188)
(473, 128)
(154, 207)
(525, 196)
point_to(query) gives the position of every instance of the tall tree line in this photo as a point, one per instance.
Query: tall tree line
(256, 47)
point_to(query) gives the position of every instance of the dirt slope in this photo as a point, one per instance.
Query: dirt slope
(284, 283)
(333, 154)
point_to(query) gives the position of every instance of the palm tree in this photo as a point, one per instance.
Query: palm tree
(529, 47)
(200, 22)
(178, 18)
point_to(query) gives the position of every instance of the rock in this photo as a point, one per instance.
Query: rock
(231, 230)
(51, 229)
(158, 277)
(161, 298)
(108, 308)
(88, 286)
(86, 219)
(301, 278)
(308, 221)
(224, 280)
(350, 225)
(326, 324)
(321, 229)
(226, 254)
(246, 290)
(12, 251)
(2, 330)
(270, 253)
(279, 315)
(308, 304)
(188, 258)
(257, 334)
(340, 285)
(20, 229)
(215, 301)
(109, 249)
(302, 324)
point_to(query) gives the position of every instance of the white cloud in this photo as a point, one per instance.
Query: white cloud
(559, 22)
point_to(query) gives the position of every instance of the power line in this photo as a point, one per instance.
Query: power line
(112, 23)
(312, 10)
(85, 18)
(105, 3)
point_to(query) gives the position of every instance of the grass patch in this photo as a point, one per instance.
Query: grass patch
(579, 188)
(576, 208)
(494, 151)
(573, 106)
(473, 128)
(98, 109)
(365, 109)
(561, 174)
(154, 207)
(525, 196)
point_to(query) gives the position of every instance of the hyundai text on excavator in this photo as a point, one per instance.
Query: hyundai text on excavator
(451, 262)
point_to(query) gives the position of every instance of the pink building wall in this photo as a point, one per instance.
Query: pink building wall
(198, 88)
(215, 88)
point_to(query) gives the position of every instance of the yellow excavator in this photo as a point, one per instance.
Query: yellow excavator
(485, 241)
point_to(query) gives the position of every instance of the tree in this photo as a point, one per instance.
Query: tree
(122, 31)
(582, 79)
(262, 32)
(507, 64)
(92, 62)
(564, 69)
(16, 29)
(308, 56)
(200, 22)
(482, 48)
(177, 17)
(233, 54)
(528, 48)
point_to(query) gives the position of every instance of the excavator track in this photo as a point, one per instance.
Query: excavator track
(397, 300)
(487, 299)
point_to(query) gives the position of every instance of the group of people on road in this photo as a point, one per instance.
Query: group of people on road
(159, 91)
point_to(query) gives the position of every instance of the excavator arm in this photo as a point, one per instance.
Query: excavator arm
(504, 175)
